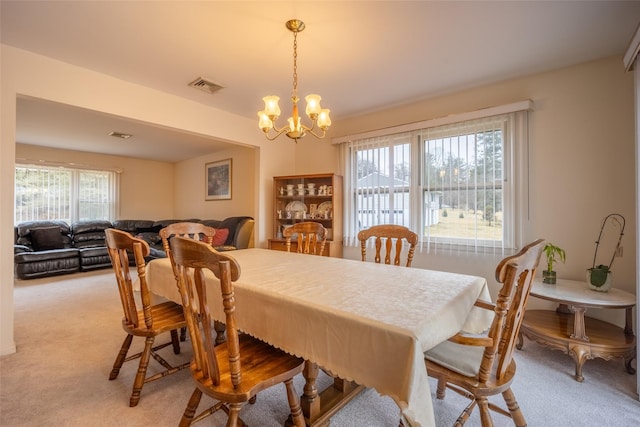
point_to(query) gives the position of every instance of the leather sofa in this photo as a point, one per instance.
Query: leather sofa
(48, 248)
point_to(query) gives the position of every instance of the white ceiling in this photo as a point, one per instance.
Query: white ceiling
(361, 56)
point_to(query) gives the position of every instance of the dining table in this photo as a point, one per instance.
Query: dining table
(365, 323)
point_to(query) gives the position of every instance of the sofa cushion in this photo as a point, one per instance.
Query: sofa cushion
(133, 225)
(81, 227)
(152, 238)
(24, 230)
(44, 239)
(221, 236)
(92, 239)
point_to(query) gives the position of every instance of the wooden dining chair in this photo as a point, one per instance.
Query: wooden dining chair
(196, 231)
(233, 372)
(311, 237)
(480, 367)
(193, 230)
(141, 317)
(392, 236)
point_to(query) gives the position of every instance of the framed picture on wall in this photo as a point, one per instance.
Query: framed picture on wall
(218, 180)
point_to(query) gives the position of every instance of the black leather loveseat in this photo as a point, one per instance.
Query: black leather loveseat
(48, 248)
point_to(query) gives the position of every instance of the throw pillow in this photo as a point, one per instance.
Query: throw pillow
(221, 236)
(44, 239)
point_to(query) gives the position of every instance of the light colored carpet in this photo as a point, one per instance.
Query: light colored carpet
(67, 331)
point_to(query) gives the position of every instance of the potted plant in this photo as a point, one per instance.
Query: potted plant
(599, 276)
(553, 254)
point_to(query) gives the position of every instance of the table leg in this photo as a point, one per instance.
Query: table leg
(579, 330)
(628, 321)
(580, 354)
(318, 408)
(628, 330)
(220, 329)
(520, 342)
(310, 400)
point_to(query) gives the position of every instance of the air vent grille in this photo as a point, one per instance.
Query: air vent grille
(205, 85)
(120, 135)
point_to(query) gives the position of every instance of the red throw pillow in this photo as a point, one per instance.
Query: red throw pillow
(221, 236)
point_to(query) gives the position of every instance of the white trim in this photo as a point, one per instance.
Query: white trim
(454, 118)
(632, 51)
(44, 163)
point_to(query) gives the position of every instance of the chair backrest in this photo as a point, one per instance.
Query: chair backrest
(120, 245)
(389, 233)
(192, 230)
(311, 237)
(191, 259)
(516, 274)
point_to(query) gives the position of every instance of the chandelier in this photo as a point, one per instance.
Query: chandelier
(295, 129)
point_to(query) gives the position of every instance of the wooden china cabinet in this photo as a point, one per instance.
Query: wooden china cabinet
(317, 198)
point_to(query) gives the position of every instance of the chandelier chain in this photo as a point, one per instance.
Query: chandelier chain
(295, 65)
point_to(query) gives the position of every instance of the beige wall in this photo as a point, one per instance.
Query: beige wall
(581, 163)
(190, 186)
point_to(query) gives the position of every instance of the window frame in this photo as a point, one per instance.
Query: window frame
(514, 186)
(73, 208)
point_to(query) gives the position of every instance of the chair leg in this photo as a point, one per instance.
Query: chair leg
(122, 355)
(441, 388)
(175, 341)
(190, 410)
(485, 415)
(234, 415)
(514, 408)
(294, 404)
(142, 372)
(464, 416)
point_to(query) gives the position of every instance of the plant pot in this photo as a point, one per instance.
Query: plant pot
(598, 279)
(549, 277)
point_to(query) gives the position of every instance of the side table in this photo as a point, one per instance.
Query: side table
(568, 329)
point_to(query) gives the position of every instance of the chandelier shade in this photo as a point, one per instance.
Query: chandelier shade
(294, 128)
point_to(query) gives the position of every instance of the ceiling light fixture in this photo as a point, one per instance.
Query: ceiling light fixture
(295, 130)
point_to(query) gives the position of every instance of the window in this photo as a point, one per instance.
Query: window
(383, 182)
(461, 184)
(59, 193)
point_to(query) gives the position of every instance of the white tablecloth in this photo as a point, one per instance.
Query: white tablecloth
(362, 321)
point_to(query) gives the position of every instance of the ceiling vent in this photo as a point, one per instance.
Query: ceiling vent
(205, 85)
(120, 135)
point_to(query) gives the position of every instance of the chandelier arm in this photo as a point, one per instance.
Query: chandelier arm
(278, 133)
(324, 133)
(307, 128)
